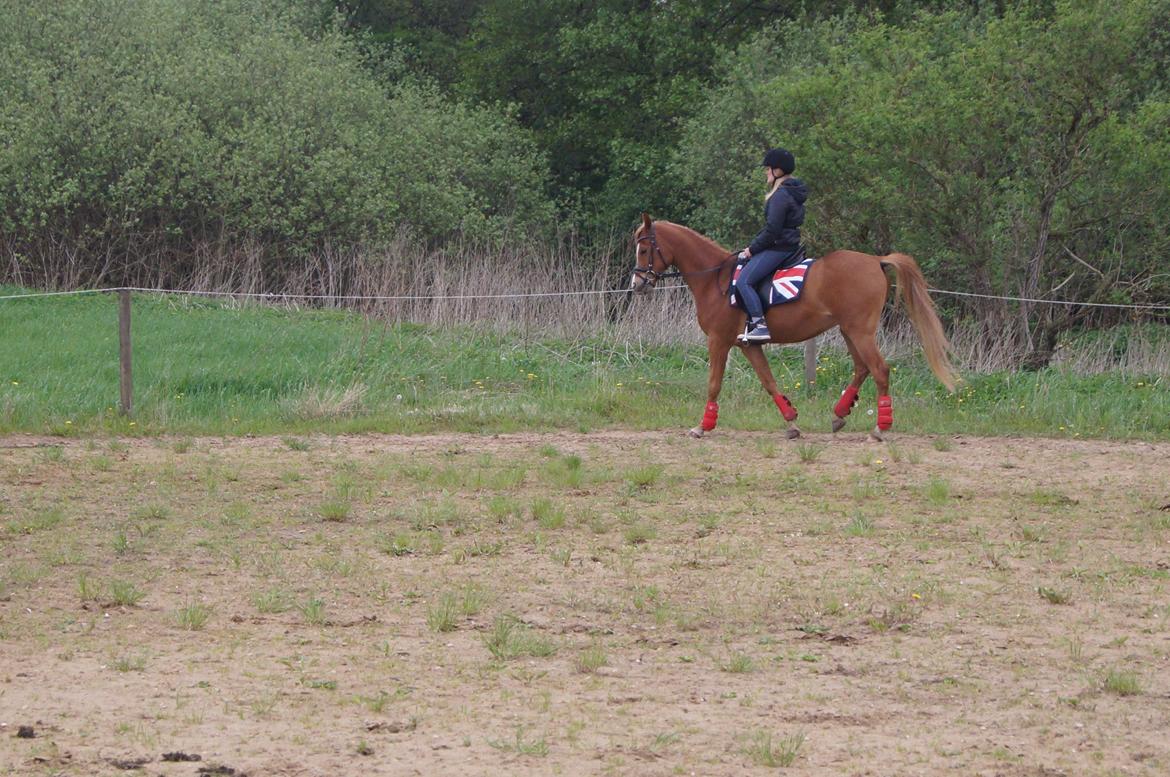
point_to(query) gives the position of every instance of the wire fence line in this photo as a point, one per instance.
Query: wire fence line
(271, 296)
(338, 297)
(1050, 301)
(56, 293)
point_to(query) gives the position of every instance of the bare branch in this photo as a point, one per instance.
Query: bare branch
(1060, 286)
(1068, 251)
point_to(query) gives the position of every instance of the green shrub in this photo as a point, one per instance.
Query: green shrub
(160, 125)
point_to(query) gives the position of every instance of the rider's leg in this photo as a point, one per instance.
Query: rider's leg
(751, 298)
(763, 265)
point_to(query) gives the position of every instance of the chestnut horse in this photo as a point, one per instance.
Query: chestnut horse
(846, 289)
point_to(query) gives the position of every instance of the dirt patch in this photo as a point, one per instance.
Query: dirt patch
(626, 603)
(180, 756)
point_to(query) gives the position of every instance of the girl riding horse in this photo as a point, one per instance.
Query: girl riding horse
(846, 289)
(776, 243)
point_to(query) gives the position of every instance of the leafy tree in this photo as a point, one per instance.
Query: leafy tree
(419, 37)
(605, 86)
(463, 170)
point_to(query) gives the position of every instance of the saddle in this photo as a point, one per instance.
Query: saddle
(785, 285)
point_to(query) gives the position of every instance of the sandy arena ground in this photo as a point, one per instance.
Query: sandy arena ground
(578, 604)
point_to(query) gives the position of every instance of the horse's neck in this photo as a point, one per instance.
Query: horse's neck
(695, 252)
(700, 260)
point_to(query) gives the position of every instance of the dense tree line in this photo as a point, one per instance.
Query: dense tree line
(146, 126)
(605, 86)
(1018, 149)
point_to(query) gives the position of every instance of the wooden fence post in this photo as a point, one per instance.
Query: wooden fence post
(124, 351)
(810, 361)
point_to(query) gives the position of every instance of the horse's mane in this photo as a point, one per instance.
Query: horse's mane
(697, 236)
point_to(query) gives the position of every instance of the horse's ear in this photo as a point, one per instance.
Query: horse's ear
(645, 220)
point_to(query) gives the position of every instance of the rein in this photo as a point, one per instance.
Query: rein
(654, 275)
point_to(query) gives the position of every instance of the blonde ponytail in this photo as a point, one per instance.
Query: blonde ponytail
(775, 186)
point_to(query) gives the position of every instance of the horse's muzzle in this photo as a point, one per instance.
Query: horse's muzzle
(640, 285)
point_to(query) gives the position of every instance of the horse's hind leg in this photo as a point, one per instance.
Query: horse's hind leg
(759, 361)
(849, 395)
(868, 351)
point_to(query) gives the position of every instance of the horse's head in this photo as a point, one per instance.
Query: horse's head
(649, 260)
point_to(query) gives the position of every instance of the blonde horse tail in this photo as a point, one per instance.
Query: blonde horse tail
(912, 290)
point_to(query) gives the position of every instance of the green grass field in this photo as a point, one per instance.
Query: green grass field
(209, 367)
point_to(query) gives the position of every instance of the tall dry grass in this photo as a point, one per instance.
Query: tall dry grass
(530, 289)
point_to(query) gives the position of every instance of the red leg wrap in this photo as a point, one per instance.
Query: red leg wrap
(710, 416)
(885, 412)
(846, 402)
(786, 408)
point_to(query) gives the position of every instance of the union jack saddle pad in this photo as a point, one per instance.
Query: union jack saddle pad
(785, 286)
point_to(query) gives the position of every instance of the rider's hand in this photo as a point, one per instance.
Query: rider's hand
(745, 254)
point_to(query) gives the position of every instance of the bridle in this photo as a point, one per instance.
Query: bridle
(653, 275)
(648, 271)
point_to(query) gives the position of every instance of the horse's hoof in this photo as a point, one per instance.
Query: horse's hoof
(838, 424)
(697, 432)
(877, 435)
(792, 433)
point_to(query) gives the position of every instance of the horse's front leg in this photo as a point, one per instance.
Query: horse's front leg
(717, 349)
(755, 355)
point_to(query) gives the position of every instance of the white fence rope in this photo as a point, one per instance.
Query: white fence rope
(1051, 301)
(56, 293)
(439, 297)
(338, 297)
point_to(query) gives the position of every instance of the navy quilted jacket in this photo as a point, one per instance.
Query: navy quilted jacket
(783, 215)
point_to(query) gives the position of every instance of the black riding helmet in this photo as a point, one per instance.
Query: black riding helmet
(781, 158)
